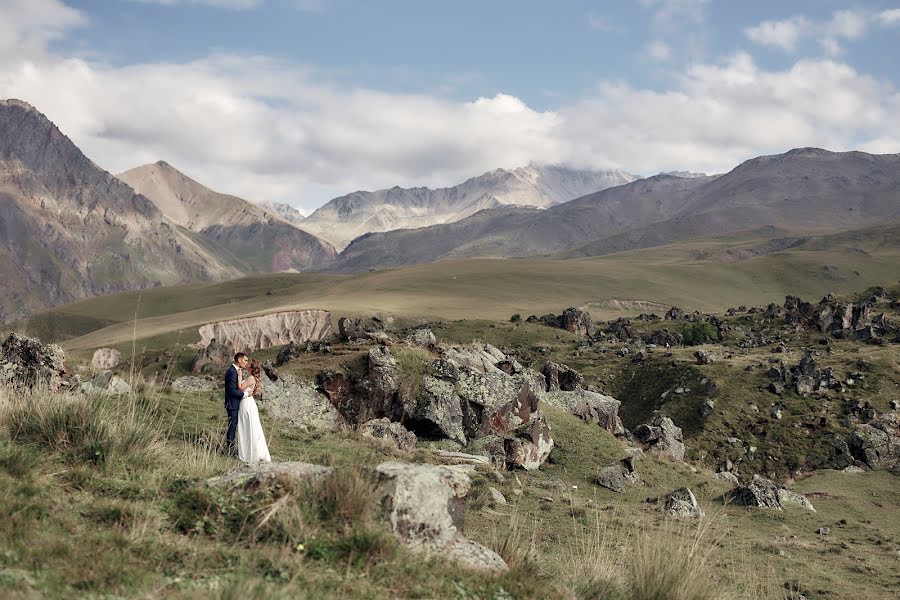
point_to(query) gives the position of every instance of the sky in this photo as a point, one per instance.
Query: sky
(300, 101)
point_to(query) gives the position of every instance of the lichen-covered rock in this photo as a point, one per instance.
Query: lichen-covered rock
(612, 478)
(424, 507)
(298, 403)
(786, 496)
(561, 377)
(106, 382)
(190, 383)
(263, 472)
(529, 451)
(682, 503)
(590, 406)
(759, 493)
(663, 437)
(877, 443)
(26, 362)
(105, 359)
(393, 433)
(294, 349)
(422, 337)
(354, 330)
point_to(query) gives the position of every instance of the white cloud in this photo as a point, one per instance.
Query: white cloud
(889, 17)
(27, 27)
(786, 34)
(659, 51)
(270, 130)
(673, 12)
(228, 4)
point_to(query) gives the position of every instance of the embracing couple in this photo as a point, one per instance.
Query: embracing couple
(243, 416)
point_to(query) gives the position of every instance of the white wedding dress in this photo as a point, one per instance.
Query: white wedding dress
(251, 440)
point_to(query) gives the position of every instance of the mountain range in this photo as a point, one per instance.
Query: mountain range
(70, 230)
(806, 189)
(258, 237)
(347, 217)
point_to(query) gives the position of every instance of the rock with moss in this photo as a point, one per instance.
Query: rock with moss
(26, 362)
(424, 506)
(877, 443)
(759, 493)
(298, 403)
(662, 436)
(264, 472)
(389, 432)
(682, 503)
(191, 383)
(592, 407)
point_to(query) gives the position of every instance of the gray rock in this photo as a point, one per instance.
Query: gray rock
(682, 503)
(707, 408)
(106, 382)
(823, 531)
(497, 497)
(26, 362)
(561, 377)
(590, 406)
(263, 472)
(191, 383)
(422, 337)
(394, 433)
(759, 493)
(105, 359)
(877, 443)
(424, 507)
(786, 496)
(612, 478)
(298, 403)
(662, 437)
(704, 358)
(727, 477)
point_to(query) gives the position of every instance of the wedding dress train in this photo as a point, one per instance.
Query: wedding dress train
(252, 447)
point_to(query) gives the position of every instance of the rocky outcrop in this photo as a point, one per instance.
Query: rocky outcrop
(840, 318)
(26, 362)
(561, 377)
(294, 349)
(263, 472)
(424, 506)
(759, 493)
(190, 383)
(387, 431)
(662, 437)
(106, 382)
(423, 338)
(298, 403)
(105, 359)
(460, 395)
(573, 320)
(590, 406)
(220, 341)
(877, 443)
(682, 503)
(354, 330)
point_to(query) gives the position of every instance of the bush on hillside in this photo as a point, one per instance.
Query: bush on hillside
(698, 333)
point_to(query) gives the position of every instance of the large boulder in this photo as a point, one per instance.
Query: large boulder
(26, 362)
(662, 437)
(264, 472)
(299, 403)
(590, 406)
(682, 503)
(105, 359)
(424, 506)
(423, 338)
(759, 493)
(877, 443)
(106, 382)
(214, 357)
(355, 330)
(577, 321)
(385, 430)
(295, 349)
(561, 377)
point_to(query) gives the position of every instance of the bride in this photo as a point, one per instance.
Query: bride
(251, 440)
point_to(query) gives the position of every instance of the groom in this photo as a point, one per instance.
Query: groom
(233, 397)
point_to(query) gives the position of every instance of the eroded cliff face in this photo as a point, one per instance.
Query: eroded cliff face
(276, 329)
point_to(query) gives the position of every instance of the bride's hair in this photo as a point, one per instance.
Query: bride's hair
(256, 371)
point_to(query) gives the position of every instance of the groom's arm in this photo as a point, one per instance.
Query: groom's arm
(231, 386)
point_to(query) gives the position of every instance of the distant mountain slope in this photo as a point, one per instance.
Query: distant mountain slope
(258, 236)
(347, 217)
(285, 211)
(512, 232)
(70, 230)
(809, 189)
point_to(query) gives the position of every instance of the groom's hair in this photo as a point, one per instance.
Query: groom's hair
(239, 356)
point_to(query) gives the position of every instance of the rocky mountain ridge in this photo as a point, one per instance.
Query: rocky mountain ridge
(347, 217)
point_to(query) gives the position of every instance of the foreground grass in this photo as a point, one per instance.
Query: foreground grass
(97, 499)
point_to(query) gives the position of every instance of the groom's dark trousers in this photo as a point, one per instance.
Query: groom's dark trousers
(233, 397)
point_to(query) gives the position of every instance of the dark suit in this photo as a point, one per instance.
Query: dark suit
(233, 397)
